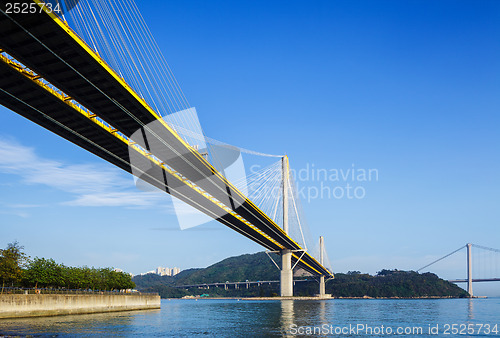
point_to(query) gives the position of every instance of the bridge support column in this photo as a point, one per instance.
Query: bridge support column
(286, 277)
(321, 260)
(322, 286)
(469, 269)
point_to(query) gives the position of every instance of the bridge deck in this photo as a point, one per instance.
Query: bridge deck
(35, 102)
(46, 45)
(474, 280)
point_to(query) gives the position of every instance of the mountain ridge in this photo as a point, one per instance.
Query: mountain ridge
(258, 267)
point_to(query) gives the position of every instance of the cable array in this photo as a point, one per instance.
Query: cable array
(485, 262)
(116, 30)
(265, 189)
(118, 33)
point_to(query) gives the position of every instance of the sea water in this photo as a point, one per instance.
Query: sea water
(278, 318)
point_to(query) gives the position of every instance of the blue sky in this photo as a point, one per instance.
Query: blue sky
(409, 88)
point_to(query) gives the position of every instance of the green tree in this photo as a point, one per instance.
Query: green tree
(124, 281)
(45, 272)
(12, 261)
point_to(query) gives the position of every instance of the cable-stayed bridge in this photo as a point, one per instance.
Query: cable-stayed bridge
(108, 90)
(483, 265)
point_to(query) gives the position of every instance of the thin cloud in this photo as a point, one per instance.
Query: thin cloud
(24, 206)
(33, 169)
(115, 199)
(93, 185)
(15, 213)
(189, 229)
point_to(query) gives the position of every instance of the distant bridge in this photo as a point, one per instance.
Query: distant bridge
(469, 280)
(474, 280)
(237, 285)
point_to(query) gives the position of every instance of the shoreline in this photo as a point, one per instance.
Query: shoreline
(320, 298)
(43, 305)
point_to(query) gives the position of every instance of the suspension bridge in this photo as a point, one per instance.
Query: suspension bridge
(485, 260)
(95, 76)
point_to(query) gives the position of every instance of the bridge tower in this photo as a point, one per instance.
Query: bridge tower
(469, 269)
(286, 273)
(321, 260)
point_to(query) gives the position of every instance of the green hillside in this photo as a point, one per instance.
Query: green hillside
(258, 267)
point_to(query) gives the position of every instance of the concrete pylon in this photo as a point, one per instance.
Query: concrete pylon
(286, 275)
(469, 269)
(321, 260)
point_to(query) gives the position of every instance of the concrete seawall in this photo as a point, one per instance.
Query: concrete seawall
(17, 306)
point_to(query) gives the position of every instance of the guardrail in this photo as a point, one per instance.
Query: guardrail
(45, 291)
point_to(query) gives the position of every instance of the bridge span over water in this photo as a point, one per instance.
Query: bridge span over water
(51, 76)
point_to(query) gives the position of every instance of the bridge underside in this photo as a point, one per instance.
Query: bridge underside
(54, 53)
(24, 96)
